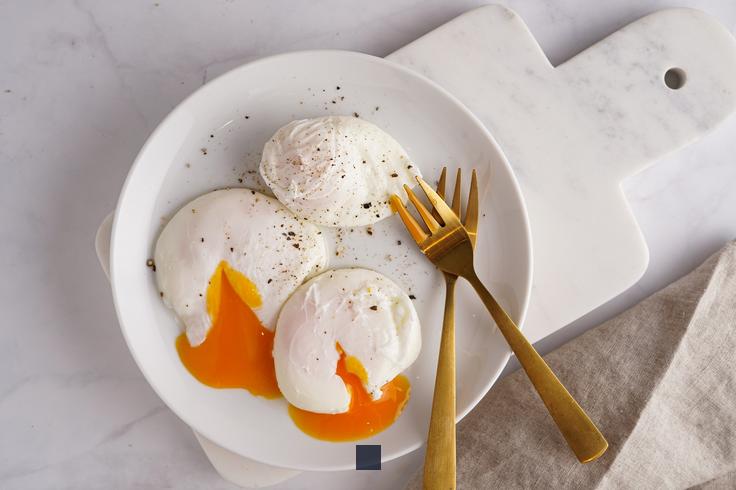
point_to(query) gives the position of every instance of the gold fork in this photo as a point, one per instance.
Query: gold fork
(439, 461)
(448, 246)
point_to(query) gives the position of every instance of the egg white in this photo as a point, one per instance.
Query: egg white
(365, 312)
(255, 234)
(336, 171)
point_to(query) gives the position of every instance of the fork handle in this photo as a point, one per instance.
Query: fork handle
(581, 434)
(439, 462)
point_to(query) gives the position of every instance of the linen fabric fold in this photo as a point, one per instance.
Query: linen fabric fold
(659, 380)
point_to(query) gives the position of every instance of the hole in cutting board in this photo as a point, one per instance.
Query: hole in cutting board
(675, 78)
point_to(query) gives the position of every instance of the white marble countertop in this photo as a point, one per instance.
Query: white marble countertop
(81, 86)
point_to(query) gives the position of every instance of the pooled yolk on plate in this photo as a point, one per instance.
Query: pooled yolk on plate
(237, 352)
(365, 417)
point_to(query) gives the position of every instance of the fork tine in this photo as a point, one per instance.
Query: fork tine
(424, 213)
(415, 229)
(440, 191)
(471, 209)
(457, 193)
(442, 208)
(441, 183)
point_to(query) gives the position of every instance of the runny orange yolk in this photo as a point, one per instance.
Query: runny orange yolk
(365, 417)
(237, 352)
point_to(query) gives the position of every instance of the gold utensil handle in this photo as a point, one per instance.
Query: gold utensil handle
(439, 462)
(579, 431)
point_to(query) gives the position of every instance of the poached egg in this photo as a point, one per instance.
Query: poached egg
(345, 321)
(336, 171)
(254, 234)
(225, 263)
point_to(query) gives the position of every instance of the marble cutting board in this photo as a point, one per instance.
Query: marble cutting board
(572, 133)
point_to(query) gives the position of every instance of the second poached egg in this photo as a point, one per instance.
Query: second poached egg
(357, 311)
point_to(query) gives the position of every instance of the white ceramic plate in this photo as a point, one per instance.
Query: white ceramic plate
(214, 138)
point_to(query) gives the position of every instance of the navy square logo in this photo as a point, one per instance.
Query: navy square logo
(367, 456)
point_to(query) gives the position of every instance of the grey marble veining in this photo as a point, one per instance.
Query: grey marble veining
(81, 86)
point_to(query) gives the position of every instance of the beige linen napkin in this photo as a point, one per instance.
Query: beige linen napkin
(660, 382)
